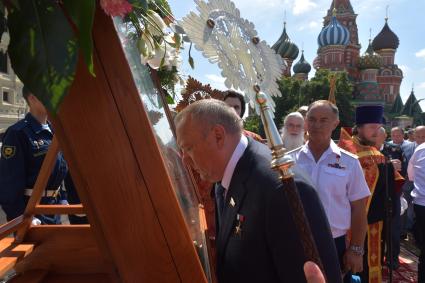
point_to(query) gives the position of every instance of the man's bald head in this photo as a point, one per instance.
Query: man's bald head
(382, 136)
(420, 134)
(208, 112)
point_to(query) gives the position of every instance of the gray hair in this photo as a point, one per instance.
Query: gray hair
(332, 106)
(294, 115)
(210, 112)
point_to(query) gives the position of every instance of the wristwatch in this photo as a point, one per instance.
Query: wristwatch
(358, 250)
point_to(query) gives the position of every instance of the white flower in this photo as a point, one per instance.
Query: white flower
(159, 54)
(156, 25)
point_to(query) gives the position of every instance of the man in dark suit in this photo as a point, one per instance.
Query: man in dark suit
(256, 239)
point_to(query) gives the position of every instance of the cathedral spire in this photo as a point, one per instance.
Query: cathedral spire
(342, 6)
(386, 13)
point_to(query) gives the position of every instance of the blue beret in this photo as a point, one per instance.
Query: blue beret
(369, 114)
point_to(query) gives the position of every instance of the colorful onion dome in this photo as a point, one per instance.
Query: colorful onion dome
(284, 47)
(370, 60)
(334, 33)
(316, 62)
(302, 66)
(386, 39)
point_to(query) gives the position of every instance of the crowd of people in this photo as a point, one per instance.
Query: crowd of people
(390, 204)
(353, 190)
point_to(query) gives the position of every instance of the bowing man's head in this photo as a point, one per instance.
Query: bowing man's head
(208, 131)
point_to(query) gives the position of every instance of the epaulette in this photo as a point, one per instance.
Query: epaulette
(349, 153)
(294, 150)
(19, 125)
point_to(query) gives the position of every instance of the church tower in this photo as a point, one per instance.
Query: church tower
(302, 68)
(368, 87)
(349, 53)
(389, 75)
(333, 40)
(287, 50)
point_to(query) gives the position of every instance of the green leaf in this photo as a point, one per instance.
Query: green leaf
(143, 4)
(141, 46)
(43, 50)
(191, 62)
(82, 14)
(169, 99)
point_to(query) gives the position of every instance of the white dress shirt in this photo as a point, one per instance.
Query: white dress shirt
(416, 173)
(230, 167)
(338, 179)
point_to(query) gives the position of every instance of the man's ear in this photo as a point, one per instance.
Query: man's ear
(336, 124)
(219, 133)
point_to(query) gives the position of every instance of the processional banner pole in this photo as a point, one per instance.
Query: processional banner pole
(252, 66)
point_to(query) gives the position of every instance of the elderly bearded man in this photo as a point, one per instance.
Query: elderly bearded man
(256, 235)
(369, 120)
(293, 131)
(339, 181)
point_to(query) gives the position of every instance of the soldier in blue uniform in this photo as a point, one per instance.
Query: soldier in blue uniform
(25, 145)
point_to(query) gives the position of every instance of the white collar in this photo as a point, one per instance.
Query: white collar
(230, 168)
(333, 148)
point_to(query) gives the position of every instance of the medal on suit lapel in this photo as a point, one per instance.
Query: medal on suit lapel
(238, 229)
(232, 202)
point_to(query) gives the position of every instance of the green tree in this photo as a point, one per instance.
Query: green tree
(296, 93)
(252, 123)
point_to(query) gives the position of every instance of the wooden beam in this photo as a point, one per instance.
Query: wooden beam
(39, 187)
(11, 226)
(11, 253)
(64, 249)
(59, 209)
(6, 264)
(38, 276)
(32, 276)
(151, 163)
(112, 185)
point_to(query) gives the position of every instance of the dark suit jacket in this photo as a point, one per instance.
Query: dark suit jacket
(268, 249)
(407, 149)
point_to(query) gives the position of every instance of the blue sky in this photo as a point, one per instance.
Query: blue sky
(304, 22)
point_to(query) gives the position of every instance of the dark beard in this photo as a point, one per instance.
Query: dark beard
(363, 141)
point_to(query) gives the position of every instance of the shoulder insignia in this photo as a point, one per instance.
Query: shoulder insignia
(349, 153)
(8, 151)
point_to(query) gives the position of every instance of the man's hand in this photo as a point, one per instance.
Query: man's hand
(313, 274)
(353, 262)
(35, 221)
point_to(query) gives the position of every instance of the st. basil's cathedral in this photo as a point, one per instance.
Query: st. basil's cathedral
(375, 75)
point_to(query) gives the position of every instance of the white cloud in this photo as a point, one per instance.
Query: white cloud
(303, 6)
(420, 53)
(311, 26)
(216, 81)
(421, 85)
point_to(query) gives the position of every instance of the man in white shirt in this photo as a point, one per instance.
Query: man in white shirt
(416, 173)
(339, 181)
